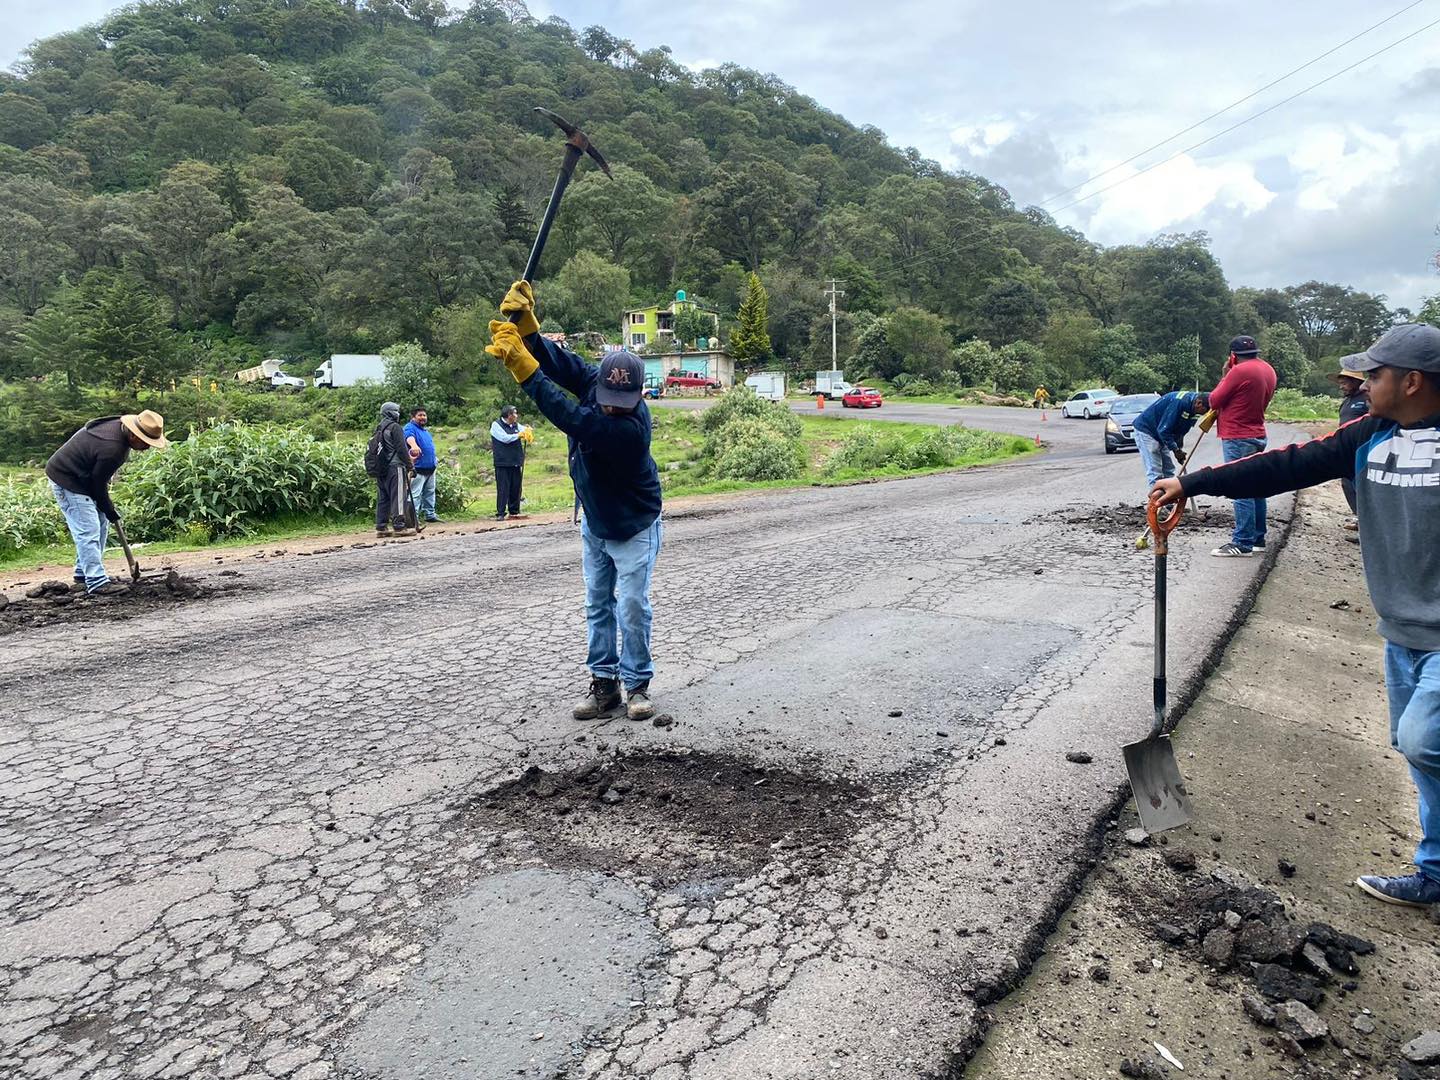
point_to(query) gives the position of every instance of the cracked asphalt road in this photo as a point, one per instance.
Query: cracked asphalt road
(253, 838)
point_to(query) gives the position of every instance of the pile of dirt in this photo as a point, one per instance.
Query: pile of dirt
(675, 814)
(52, 602)
(1128, 520)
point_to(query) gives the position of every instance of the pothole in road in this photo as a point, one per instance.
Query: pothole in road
(678, 816)
(52, 602)
(1125, 520)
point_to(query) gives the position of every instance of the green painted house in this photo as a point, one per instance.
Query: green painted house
(655, 325)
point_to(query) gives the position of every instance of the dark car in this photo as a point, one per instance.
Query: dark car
(1120, 424)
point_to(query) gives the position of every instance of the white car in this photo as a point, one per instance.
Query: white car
(1088, 404)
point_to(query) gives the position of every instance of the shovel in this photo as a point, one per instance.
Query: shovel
(1155, 778)
(129, 555)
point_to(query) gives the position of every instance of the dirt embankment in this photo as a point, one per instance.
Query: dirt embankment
(1239, 943)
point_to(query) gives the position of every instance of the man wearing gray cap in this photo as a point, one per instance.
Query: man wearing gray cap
(387, 462)
(600, 408)
(1393, 455)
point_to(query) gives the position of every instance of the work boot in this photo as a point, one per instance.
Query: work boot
(111, 588)
(1413, 890)
(402, 530)
(602, 698)
(518, 517)
(638, 706)
(382, 532)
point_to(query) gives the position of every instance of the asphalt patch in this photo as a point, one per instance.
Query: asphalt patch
(675, 815)
(53, 603)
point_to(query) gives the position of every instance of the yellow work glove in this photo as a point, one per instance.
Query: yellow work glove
(521, 298)
(1208, 420)
(507, 347)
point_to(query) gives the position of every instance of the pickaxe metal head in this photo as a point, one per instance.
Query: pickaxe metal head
(578, 139)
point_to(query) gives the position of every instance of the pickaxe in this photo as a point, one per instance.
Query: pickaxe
(575, 146)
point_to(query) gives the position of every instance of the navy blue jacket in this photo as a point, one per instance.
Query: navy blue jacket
(610, 461)
(1170, 419)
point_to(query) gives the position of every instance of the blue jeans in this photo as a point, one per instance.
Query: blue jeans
(623, 567)
(1249, 513)
(88, 528)
(422, 493)
(1412, 679)
(1156, 456)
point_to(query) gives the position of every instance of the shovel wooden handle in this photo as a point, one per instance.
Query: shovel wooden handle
(129, 556)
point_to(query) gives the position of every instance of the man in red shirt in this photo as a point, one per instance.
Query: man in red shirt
(1241, 398)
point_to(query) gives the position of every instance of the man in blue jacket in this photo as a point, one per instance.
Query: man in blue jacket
(601, 409)
(1161, 429)
(1393, 455)
(421, 445)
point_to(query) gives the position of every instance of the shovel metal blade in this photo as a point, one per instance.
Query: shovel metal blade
(1155, 780)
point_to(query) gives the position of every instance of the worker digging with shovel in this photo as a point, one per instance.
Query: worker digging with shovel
(600, 408)
(1393, 456)
(80, 473)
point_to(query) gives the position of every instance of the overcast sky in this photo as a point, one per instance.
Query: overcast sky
(1340, 184)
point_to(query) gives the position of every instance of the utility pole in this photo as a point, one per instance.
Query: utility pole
(834, 293)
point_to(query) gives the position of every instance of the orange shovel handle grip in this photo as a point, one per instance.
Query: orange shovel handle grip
(1162, 528)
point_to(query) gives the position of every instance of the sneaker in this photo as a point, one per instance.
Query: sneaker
(435, 520)
(499, 517)
(518, 517)
(1259, 545)
(1412, 890)
(1231, 551)
(403, 530)
(111, 588)
(603, 697)
(638, 706)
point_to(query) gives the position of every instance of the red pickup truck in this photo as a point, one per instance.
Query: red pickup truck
(690, 378)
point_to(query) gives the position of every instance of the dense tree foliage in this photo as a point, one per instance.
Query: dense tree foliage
(191, 182)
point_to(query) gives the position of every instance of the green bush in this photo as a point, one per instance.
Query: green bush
(29, 516)
(742, 402)
(870, 449)
(749, 438)
(1290, 404)
(752, 449)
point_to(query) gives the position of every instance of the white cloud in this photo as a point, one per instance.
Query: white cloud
(1171, 196)
(1332, 161)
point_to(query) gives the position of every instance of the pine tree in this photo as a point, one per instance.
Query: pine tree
(750, 341)
(516, 224)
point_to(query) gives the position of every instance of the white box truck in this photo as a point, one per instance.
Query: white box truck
(347, 369)
(768, 384)
(832, 384)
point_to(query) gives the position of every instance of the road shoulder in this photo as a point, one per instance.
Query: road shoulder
(1286, 753)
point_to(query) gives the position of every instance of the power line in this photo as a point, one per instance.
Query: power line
(956, 249)
(1239, 101)
(1248, 119)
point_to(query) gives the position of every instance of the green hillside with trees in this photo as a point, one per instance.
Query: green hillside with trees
(193, 185)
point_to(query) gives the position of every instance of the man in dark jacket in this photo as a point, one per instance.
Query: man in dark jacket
(1161, 429)
(1353, 405)
(80, 473)
(608, 425)
(1393, 455)
(507, 450)
(392, 487)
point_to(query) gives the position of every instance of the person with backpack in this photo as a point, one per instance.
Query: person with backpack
(601, 409)
(387, 461)
(1393, 455)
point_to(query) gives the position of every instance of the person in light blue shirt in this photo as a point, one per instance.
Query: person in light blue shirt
(422, 458)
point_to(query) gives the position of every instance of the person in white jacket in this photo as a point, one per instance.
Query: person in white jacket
(507, 446)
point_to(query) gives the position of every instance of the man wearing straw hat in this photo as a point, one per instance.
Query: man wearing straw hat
(1353, 405)
(80, 473)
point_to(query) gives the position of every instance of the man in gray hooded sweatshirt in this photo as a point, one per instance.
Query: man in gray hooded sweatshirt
(387, 459)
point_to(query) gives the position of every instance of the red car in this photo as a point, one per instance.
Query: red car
(862, 397)
(691, 378)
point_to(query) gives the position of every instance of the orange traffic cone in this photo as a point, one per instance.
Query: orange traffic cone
(1044, 415)
(819, 401)
(1037, 439)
